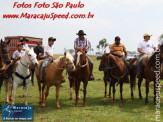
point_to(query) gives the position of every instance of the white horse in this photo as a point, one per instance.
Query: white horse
(22, 74)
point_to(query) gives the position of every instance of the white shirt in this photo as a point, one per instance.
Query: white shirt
(49, 50)
(25, 46)
(146, 47)
(18, 54)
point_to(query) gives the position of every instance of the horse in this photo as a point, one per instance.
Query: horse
(105, 78)
(117, 71)
(21, 75)
(4, 59)
(81, 74)
(148, 72)
(53, 76)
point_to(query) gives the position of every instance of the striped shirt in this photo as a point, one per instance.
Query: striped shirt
(118, 49)
(82, 43)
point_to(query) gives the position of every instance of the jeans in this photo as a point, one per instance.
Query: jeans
(139, 64)
(42, 71)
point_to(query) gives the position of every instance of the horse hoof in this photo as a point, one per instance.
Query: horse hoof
(140, 98)
(109, 96)
(58, 107)
(70, 98)
(76, 104)
(13, 103)
(6, 101)
(84, 104)
(10, 99)
(113, 102)
(78, 98)
(43, 105)
(132, 98)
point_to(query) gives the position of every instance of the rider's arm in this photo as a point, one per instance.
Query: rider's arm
(140, 51)
(88, 46)
(50, 55)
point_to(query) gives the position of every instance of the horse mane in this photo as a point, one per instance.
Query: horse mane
(152, 59)
(144, 59)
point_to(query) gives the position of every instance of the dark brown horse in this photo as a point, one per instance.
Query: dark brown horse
(148, 72)
(106, 79)
(4, 59)
(117, 71)
(82, 73)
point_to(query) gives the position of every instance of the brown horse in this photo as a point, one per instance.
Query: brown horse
(53, 76)
(117, 71)
(147, 72)
(4, 59)
(106, 79)
(81, 74)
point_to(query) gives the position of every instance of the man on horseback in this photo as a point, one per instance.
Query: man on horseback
(15, 57)
(48, 52)
(118, 49)
(144, 47)
(81, 42)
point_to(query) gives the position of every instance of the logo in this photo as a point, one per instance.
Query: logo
(17, 112)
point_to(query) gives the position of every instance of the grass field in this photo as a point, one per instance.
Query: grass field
(98, 108)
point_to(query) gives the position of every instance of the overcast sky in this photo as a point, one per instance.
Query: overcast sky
(129, 19)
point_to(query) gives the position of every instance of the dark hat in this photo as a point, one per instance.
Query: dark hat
(81, 32)
(24, 39)
(51, 38)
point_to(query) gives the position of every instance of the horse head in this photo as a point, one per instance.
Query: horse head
(67, 62)
(80, 57)
(5, 50)
(31, 57)
(104, 62)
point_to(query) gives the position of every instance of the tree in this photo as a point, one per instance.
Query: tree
(102, 44)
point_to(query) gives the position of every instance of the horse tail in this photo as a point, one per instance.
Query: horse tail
(1, 82)
(132, 66)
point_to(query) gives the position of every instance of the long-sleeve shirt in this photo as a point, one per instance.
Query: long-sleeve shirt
(82, 43)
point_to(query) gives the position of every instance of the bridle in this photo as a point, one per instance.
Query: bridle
(83, 65)
(29, 59)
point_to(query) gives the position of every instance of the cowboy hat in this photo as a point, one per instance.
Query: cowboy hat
(147, 34)
(81, 32)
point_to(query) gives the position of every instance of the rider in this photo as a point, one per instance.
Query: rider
(144, 47)
(81, 42)
(118, 49)
(15, 57)
(25, 45)
(48, 52)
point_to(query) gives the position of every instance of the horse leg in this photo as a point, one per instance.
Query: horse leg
(154, 98)
(105, 81)
(121, 90)
(39, 88)
(139, 87)
(6, 92)
(42, 92)
(26, 93)
(57, 95)
(113, 92)
(131, 86)
(14, 89)
(77, 86)
(46, 95)
(110, 90)
(11, 88)
(85, 92)
(147, 91)
(70, 89)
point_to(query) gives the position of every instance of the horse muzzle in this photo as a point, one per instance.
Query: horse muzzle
(36, 64)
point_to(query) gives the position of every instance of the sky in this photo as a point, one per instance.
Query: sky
(129, 19)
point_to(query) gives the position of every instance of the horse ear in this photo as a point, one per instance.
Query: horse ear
(8, 41)
(65, 54)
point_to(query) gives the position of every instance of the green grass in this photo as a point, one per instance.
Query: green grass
(98, 108)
